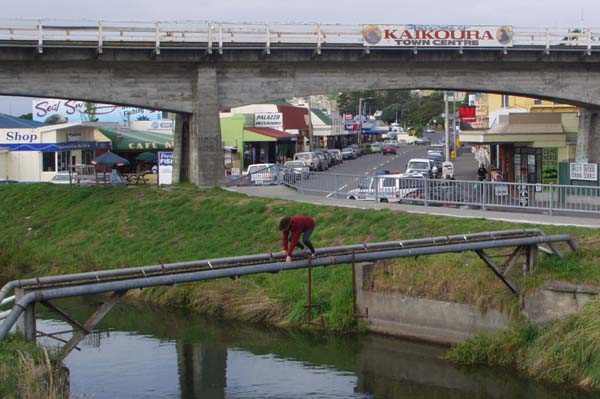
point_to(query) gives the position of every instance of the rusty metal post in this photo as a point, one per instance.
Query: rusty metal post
(26, 325)
(309, 306)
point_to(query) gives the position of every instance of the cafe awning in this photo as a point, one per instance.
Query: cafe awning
(137, 140)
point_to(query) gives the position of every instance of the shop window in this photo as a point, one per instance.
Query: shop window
(49, 161)
(87, 156)
(63, 159)
(537, 101)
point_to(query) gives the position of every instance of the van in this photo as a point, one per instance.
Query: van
(309, 158)
(386, 188)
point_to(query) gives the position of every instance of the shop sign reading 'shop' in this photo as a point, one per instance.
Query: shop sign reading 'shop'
(437, 36)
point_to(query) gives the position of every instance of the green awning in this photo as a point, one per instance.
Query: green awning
(138, 140)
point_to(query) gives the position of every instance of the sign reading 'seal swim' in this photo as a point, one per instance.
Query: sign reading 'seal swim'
(437, 36)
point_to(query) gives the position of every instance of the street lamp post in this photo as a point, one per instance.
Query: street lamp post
(360, 113)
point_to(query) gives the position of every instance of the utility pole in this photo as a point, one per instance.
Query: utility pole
(446, 126)
(454, 122)
(360, 114)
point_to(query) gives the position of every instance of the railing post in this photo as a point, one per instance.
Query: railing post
(550, 203)
(376, 182)
(483, 192)
(426, 196)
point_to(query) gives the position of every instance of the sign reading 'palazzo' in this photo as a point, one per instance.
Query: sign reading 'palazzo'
(437, 36)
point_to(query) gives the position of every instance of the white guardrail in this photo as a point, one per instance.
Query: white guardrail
(217, 36)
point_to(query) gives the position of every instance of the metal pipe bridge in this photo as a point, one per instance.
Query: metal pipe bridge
(29, 292)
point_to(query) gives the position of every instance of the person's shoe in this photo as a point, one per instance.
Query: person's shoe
(313, 256)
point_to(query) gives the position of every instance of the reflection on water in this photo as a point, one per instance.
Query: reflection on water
(144, 353)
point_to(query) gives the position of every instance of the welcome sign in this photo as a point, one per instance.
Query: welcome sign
(437, 36)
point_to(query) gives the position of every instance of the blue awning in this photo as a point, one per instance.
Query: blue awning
(53, 147)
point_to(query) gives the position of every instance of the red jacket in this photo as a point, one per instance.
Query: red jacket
(299, 225)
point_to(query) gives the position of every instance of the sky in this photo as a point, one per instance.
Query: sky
(536, 13)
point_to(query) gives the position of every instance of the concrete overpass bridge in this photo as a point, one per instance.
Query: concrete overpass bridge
(198, 68)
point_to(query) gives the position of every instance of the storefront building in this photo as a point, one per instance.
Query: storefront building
(526, 147)
(129, 144)
(36, 152)
(256, 144)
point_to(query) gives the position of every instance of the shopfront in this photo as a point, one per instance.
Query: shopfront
(525, 147)
(37, 154)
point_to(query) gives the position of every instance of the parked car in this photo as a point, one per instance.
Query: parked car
(328, 157)
(294, 171)
(338, 155)
(349, 153)
(323, 164)
(309, 158)
(386, 188)
(64, 178)
(358, 150)
(423, 166)
(388, 149)
(422, 141)
(262, 173)
(376, 147)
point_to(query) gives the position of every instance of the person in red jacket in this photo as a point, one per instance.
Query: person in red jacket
(292, 228)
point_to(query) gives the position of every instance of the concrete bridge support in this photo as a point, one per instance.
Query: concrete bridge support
(588, 136)
(198, 154)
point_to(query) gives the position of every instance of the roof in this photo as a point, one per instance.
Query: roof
(293, 117)
(13, 122)
(322, 116)
(273, 133)
(135, 140)
(528, 123)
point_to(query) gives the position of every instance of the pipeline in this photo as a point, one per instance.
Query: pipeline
(145, 271)
(274, 267)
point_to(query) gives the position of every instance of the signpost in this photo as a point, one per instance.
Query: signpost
(165, 167)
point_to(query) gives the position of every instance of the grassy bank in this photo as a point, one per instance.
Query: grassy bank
(56, 230)
(28, 372)
(565, 351)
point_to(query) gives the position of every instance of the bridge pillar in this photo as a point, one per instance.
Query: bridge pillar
(588, 135)
(204, 148)
(181, 149)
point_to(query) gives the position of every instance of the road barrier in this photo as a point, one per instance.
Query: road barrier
(416, 190)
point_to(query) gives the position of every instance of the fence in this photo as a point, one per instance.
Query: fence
(212, 35)
(417, 190)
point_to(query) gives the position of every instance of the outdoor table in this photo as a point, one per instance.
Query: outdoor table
(135, 178)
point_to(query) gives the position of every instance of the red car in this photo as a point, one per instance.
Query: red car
(388, 149)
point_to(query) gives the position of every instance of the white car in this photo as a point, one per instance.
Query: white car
(64, 178)
(386, 188)
(309, 158)
(262, 173)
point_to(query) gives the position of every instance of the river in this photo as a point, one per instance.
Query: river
(141, 352)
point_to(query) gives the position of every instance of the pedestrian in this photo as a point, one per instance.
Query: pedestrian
(481, 172)
(291, 229)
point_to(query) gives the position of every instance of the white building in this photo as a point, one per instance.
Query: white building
(34, 153)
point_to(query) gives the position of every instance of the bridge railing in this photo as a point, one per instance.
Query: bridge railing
(234, 35)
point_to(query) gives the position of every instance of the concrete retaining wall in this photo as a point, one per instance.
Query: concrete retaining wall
(448, 322)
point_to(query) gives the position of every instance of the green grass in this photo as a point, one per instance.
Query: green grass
(565, 351)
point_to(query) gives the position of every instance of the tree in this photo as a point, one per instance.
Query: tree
(28, 116)
(392, 113)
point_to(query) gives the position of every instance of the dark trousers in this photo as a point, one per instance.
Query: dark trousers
(305, 239)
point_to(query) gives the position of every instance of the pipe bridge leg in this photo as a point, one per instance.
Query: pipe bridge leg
(26, 325)
(91, 323)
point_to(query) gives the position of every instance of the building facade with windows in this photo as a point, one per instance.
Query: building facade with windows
(35, 152)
